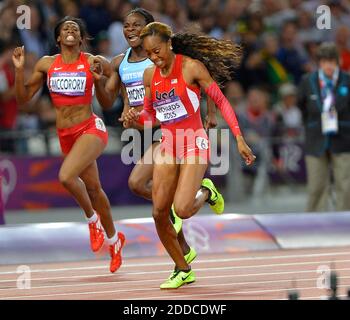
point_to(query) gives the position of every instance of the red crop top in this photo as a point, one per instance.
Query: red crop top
(72, 83)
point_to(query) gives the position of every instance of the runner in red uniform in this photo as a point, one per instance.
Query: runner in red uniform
(172, 95)
(174, 101)
(127, 77)
(82, 135)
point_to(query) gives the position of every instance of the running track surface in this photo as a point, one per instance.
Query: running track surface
(249, 275)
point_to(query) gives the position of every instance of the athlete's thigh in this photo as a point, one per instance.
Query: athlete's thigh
(143, 170)
(190, 180)
(85, 150)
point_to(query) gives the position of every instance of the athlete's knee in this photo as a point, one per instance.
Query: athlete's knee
(139, 187)
(65, 178)
(160, 214)
(183, 209)
(134, 185)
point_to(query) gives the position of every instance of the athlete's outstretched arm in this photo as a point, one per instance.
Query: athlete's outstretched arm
(201, 75)
(210, 119)
(25, 91)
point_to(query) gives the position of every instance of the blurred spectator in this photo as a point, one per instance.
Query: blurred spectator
(96, 16)
(207, 23)
(194, 8)
(324, 99)
(256, 25)
(69, 8)
(28, 117)
(50, 12)
(8, 30)
(155, 8)
(307, 31)
(115, 31)
(47, 114)
(276, 13)
(176, 12)
(8, 104)
(276, 73)
(103, 46)
(257, 125)
(115, 9)
(311, 51)
(252, 71)
(340, 16)
(289, 119)
(226, 18)
(235, 95)
(289, 53)
(35, 38)
(235, 8)
(342, 41)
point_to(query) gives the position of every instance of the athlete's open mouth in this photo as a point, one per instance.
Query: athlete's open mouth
(133, 37)
(158, 62)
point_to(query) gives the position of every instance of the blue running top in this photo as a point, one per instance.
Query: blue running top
(131, 74)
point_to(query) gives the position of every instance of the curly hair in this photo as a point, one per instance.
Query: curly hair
(219, 56)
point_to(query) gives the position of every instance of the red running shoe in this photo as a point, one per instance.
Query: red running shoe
(115, 251)
(96, 235)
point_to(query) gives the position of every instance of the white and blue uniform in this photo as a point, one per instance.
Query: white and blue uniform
(131, 74)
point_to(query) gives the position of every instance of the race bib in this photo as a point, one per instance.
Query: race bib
(136, 93)
(202, 143)
(329, 122)
(68, 83)
(170, 110)
(100, 125)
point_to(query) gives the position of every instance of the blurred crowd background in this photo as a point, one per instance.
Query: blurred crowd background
(279, 37)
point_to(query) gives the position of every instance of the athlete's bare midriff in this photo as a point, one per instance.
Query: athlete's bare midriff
(68, 116)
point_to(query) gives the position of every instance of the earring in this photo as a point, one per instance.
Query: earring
(171, 48)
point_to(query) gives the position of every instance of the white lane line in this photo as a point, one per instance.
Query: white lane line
(163, 271)
(151, 289)
(216, 277)
(234, 293)
(198, 269)
(132, 265)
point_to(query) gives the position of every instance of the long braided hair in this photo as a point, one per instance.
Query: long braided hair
(219, 56)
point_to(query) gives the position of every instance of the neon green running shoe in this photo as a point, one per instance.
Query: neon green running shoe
(216, 200)
(189, 257)
(175, 219)
(180, 278)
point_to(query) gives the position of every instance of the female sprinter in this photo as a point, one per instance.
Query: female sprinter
(82, 135)
(183, 64)
(127, 75)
